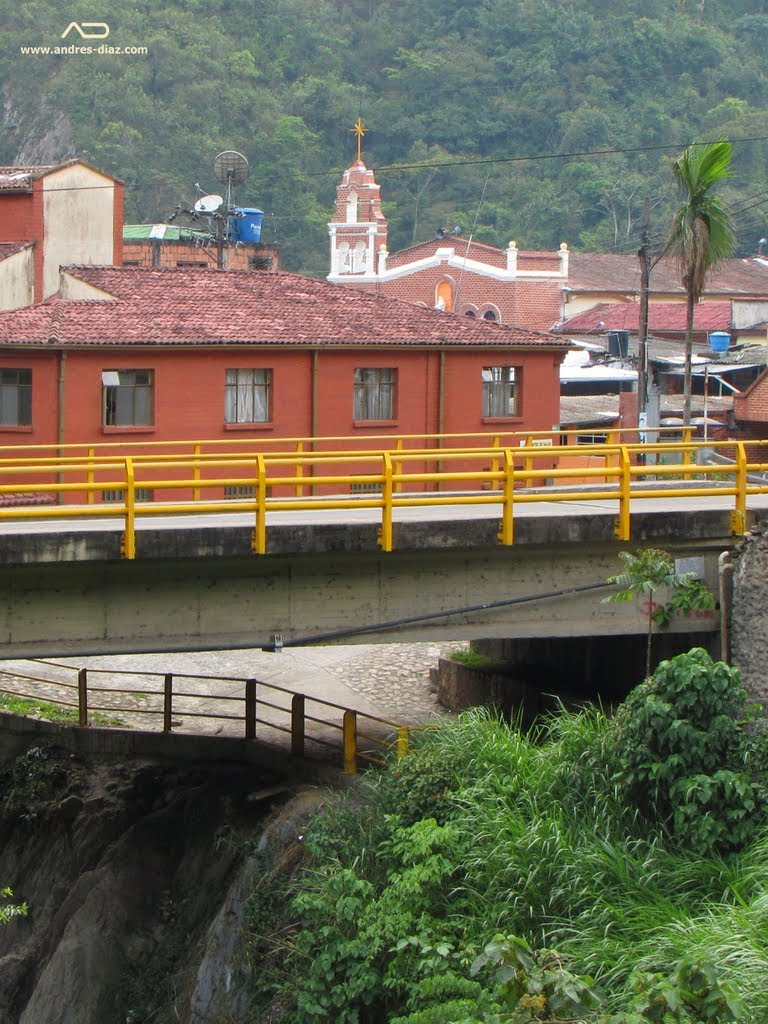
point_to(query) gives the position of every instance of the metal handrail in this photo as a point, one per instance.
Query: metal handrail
(397, 477)
(338, 718)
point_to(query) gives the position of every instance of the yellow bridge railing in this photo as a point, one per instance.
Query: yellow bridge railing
(181, 702)
(209, 478)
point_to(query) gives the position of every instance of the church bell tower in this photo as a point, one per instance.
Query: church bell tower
(358, 231)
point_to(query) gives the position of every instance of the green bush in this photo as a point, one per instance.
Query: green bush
(683, 748)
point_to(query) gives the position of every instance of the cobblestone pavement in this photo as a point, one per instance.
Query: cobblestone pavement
(396, 676)
(389, 681)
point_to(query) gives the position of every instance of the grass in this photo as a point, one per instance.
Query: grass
(51, 712)
(531, 837)
(480, 662)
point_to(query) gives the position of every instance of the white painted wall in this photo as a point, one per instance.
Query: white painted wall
(17, 280)
(78, 212)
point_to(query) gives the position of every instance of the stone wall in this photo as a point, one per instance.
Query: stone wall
(749, 614)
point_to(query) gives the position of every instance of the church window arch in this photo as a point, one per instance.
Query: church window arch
(352, 207)
(444, 296)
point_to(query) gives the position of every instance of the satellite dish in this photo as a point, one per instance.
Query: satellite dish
(208, 204)
(230, 167)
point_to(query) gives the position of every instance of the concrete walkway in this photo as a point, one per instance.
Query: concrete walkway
(388, 681)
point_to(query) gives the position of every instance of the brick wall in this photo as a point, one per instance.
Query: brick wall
(172, 253)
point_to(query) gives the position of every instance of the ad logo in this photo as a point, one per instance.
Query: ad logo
(101, 25)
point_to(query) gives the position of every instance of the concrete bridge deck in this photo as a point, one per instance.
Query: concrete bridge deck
(196, 585)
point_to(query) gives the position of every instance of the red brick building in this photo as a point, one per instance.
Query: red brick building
(511, 286)
(448, 272)
(126, 354)
(165, 245)
(52, 215)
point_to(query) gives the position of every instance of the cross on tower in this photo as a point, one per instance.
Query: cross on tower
(359, 130)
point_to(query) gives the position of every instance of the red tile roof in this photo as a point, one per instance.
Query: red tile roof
(666, 317)
(189, 306)
(466, 248)
(611, 272)
(19, 178)
(490, 254)
(10, 248)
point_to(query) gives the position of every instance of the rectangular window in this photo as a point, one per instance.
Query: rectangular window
(591, 439)
(16, 398)
(141, 494)
(127, 398)
(500, 391)
(248, 396)
(239, 491)
(374, 393)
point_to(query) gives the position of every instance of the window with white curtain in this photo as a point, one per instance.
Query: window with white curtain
(374, 393)
(500, 391)
(248, 396)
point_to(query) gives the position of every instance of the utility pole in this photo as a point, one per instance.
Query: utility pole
(644, 256)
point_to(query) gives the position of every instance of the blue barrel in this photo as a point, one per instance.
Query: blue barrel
(246, 224)
(719, 341)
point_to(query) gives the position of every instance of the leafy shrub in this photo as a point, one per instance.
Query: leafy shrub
(682, 748)
(694, 993)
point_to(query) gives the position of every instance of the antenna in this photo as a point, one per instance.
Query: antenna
(231, 168)
(208, 204)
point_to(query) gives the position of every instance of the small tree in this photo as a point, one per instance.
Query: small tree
(648, 571)
(685, 753)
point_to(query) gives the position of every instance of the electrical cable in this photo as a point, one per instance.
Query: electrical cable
(380, 627)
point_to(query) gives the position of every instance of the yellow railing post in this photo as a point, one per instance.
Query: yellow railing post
(82, 697)
(495, 443)
(128, 546)
(298, 724)
(196, 473)
(259, 539)
(167, 702)
(622, 521)
(250, 709)
(507, 527)
(350, 742)
(739, 514)
(90, 478)
(298, 488)
(397, 465)
(403, 740)
(687, 453)
(528, 460)
(385, 530)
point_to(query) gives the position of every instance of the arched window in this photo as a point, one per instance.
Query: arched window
(359, 258)
(352, 208)
(489, 315)
(444, 292)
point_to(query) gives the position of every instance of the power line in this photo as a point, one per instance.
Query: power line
(474, 161)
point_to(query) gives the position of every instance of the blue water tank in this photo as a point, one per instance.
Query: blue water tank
(719, 341)
(246, 224)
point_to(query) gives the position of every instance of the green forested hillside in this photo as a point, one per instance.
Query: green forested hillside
(482, 113)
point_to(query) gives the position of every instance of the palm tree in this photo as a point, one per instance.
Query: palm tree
(648, 571)
(701, 234)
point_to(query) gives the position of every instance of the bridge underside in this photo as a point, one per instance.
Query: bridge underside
(445, 589)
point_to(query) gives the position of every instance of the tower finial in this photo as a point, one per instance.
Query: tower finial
(359, 130)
